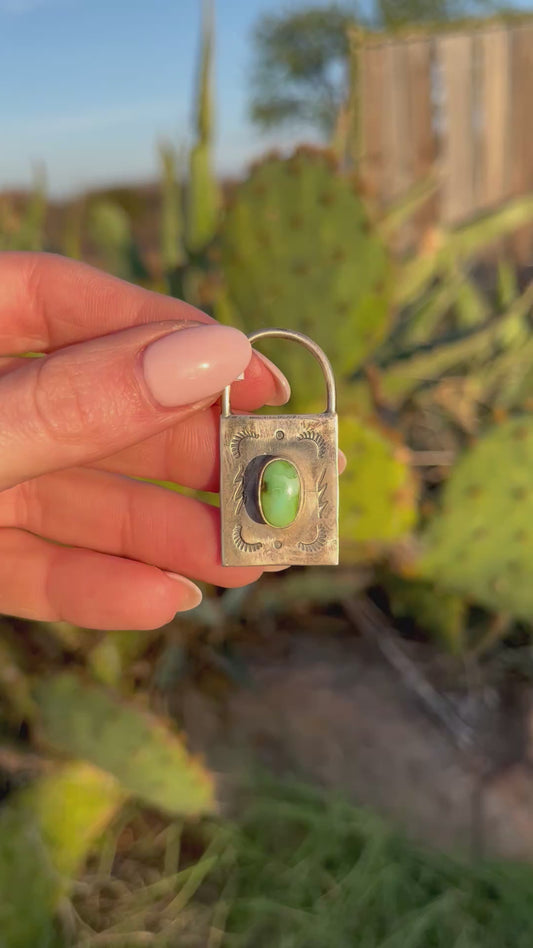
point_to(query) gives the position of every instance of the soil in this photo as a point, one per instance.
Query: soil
(329, 709)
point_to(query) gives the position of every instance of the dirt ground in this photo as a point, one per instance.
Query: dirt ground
(330, 709)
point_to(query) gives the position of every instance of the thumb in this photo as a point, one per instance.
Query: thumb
(92, 399)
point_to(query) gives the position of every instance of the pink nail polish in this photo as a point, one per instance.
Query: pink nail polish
(283, 389)
(191, 364)
(192, 596)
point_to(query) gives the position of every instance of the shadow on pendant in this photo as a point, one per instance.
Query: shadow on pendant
(251, 482)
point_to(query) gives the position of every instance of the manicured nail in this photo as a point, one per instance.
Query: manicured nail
(342, 462)
(282, 391)
(191, 364)
(191, 595)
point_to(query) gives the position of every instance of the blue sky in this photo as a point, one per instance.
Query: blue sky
(89, 86)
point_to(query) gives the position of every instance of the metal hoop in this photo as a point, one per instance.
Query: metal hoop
(311, 346)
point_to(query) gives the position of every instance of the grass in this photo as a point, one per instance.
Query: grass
(299, 870)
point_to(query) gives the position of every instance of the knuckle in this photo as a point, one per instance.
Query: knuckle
(64, 408)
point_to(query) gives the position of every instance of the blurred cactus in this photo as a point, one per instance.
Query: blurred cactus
(437, 612)
(202, 190)
(171, 233)
(72, 238)
(508, 288)
(48, 827)
(31, 234)
(138, 749)
(297, 250)
(378, 491)
(109, 229)
(459, 245)
(46, 831)
(24, 230)
(485, 354)
(481, 543)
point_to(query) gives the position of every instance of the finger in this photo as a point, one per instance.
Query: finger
(93, 399)
(48, 301)
(10, 363)
(263, 383)
(342, 462)
(39, 580)
(115, 515)
(186, 454)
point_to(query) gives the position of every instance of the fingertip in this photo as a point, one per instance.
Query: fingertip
(342, 462)
(282, 389)
(190, 594)
(262, 383)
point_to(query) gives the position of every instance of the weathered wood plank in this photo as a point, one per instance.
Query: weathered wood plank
(475, 121)
(421, 131)
(521, 134)
(455, 57)
(371, 121)
(495, 104)
(397, 170)
(421, 127)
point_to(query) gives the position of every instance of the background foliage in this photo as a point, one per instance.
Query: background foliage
(433, 362)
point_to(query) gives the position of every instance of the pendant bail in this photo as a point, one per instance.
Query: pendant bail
(313, 348)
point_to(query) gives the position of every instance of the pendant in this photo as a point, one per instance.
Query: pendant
(279, 480)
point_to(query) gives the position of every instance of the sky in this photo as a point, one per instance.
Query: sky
(89, 86)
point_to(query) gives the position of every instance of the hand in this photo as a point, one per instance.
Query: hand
(126, 390)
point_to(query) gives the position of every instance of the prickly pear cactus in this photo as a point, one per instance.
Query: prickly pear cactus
(438, 612)
(481, 544)
(46, 831)
(110, 231)
(139, 750)
(378, 491)
(297, 251)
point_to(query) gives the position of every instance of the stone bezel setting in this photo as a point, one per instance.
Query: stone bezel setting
(274, 460)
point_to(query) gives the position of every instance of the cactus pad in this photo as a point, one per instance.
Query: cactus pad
(378, 491)
(481, 544)
(145, 756)
(297, 251)
(46, 831)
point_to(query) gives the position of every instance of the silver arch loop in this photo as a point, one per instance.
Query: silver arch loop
(313, 348)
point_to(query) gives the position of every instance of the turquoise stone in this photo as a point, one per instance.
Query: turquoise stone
(280, 491)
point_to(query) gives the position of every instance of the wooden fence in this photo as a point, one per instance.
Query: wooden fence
(458, 102)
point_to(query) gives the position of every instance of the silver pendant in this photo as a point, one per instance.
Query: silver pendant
(279, 480)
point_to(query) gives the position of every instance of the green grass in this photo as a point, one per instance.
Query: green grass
(311, 872)
(302, 870)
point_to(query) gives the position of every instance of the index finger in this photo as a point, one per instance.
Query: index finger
(48, 301)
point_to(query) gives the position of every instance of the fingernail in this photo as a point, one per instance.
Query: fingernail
(191, 364)
(191, 595)
(342, 462)
(282, 391)
(274, 569)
